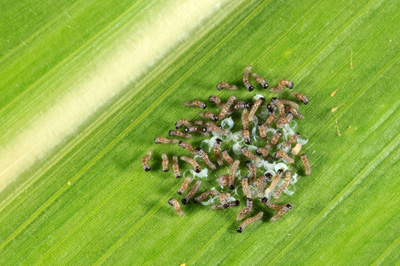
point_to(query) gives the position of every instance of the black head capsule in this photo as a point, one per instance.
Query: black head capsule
(270, 108)
(268, 177)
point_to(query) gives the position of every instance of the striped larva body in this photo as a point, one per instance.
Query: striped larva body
(291, 104)
(187, 146)
(177, 133)
(246, 136)
(291, 140)
(260, 80)
(217, 150)
(262, 151)
(192, 162)
(245, 120)
(294, 112)
(296, 149)
(223, 180)
(269, 120)
(198, 122)
(175, 167)
(191, 193)
(271, 205)
(145, 161)
(162, 140)
(165, 162)
(209, 115)
(250, 155)
(283, 83)
(274, 182)
(263, 133)
(227, 86)
(195, 103)
(255, 107)
(177, 207)
(288, 175)
(197, 129)
(243, 212)
(183, 122)
(281, 212)
(252, 170)
(245, 186)
(211, 127)
(226, 107)
(283, 120)
(262, 179)
(240, 105)
(184, 185)
(205, 157)
(306, 164)
(285, 156)
(232, 173)
(249, 221)
(204, 195)
(246, 81)
(224, 199)
(276, 138)
(280, 106)
(227, 157)
(300, 96)
(230, 204)
(216, 100)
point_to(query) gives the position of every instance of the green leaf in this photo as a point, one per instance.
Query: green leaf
(85, 86)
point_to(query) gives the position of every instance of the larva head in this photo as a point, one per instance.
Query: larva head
(203, 105)
(147, 168)
(170, 201)
(262, 100)
(187, 130)
(247, 141)
(215, 118)
(280, 171)
(268, 176)
(288, 206)
(270, 108)
(289, 84)
(248, 163)
(236, 203)
(198, 169)
(274, 100)
(239, 229)
(184, 201)
(171, 133)
(250, 88)
(218, 141)
(265, 85)
(204, 129)
(264, 200)
(231, 187)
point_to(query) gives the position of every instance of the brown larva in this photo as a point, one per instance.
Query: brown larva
(300, 96)
(250, 155)
(177, 206)
(187, 146)
(175, 167)
(226, 107)
(281, 212)
(294, 112)
(260, 80)
(269, 120)
(165, 162)
(145, 161)
(246, 136)
(283, 83)
(274, 181)
(245, 186)
(196, 129)
(211, 127)
(285, 156)
(232, 173)
(223, 180)
(291, 104)
(216, 151)
(253, 171)
(263, 133)
(296, 149)
(225, 85)
(209, 115)
(216, 100)
(240, 105)
(192, 162)
(249, 221)
(243, 212)
(204, 195)
(306, 164)
(262, 151)
(246, 81)
(291, 140)
(177, 133)
(280, 106)
(183, 122)
(245, 120)
(227, 157)
(255, 107)
(262, 179)
(276, 137)
(195, 103)
(283, 120)
(271, 205)
(205, 157)
(224, 199)
(162, 140)
(191, 193)
(230, 204)
(288, 175)
(184, 185)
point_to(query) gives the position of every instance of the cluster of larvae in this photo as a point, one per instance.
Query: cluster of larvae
(266, 145)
